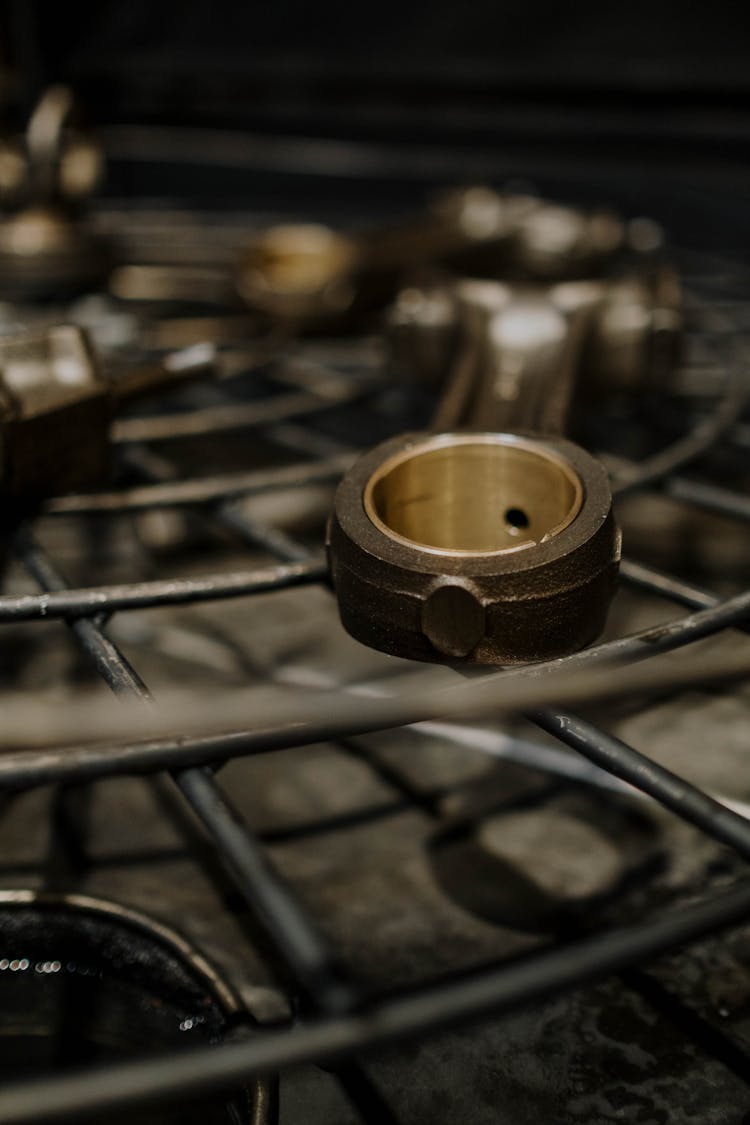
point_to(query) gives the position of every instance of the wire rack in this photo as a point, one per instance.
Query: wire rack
(307, 403)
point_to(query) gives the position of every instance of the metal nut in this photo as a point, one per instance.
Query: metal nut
(474, 547)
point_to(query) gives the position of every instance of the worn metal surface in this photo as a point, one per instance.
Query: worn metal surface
(487, 548)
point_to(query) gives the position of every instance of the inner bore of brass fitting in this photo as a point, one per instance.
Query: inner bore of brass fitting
(473, 494)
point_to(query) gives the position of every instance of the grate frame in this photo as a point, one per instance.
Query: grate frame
(341, 1022)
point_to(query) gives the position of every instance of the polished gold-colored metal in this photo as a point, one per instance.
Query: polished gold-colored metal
(484, 548)
(472, 494)
(495, 542)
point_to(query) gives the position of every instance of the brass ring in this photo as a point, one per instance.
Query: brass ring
(477, 548)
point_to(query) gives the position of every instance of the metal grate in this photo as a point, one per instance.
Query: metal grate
(340, 1020)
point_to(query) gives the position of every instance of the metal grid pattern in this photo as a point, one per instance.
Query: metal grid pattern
(340, 1022)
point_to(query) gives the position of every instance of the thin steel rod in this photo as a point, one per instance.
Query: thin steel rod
(685, 800)
(114, 669)
(666, 585)
(692, 445)
(544, 758)
(307, 718)
(675, 589)
(330, 993)
(237, 415)
(299, 943)
(272, 539)
(496, 990)
(209, 490)
(721, 500)
(300, 946)
(172, 591)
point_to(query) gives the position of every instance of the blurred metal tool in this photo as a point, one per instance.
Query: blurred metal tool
(305, 277)
(501, 353)
(46, 249)
(493, 540)
(312, 277)
(56, 407)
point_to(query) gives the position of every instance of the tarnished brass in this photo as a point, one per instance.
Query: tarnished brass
(311, 276)
(482, 548)
(45, 247)
(56, 406)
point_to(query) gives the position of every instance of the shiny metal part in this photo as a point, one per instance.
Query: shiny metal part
(517, 363)
(45, 247)
(490, 547)
(554, 242)
(486, 548)
(44, 252)
(12, 170)
(310, 275)
(56, 407)
(636, 333)
(513, 355)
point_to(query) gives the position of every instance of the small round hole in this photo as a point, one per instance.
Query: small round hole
(516, 520)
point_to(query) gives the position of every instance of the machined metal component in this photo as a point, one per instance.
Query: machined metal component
(506, 354)
(517, 361)
(500, 546)
(310, 275)
(482, 548)
(56, 406)
(45, 247)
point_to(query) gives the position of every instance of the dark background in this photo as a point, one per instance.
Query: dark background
(645, 104)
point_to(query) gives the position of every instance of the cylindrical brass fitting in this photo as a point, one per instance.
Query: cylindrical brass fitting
(480, 548)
